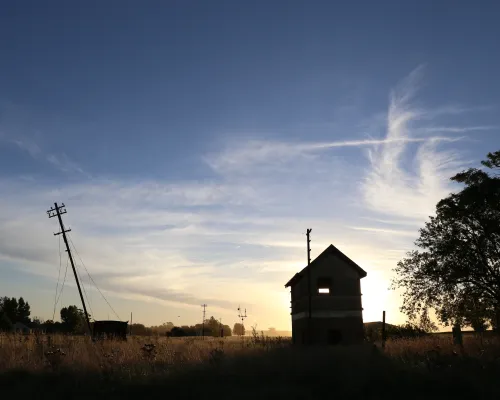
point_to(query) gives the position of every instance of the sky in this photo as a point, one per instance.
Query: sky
(194, 142)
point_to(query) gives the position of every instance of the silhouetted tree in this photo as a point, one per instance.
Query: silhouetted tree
(239, 329)
(162, 329)
(14, 310)
(141, 330)
(37, 322)
(226, 330)
(459, 256)
(271, 331)
(212, 327)
(177, 331)
(73, 319)
(425, 324)
(23, 311)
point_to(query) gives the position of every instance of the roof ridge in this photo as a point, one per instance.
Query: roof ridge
(331, 248)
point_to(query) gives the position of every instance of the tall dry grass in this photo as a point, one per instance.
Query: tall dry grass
(138, 356)
(75, 367)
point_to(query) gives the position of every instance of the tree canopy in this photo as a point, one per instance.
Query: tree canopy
(14, 310)
(456, 270)
(73, 319)
(211, 327)
(239, 329)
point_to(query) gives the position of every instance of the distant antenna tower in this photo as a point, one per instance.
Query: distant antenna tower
(203, 322)
(242, 315)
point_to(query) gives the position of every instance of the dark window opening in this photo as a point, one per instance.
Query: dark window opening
(324, 285)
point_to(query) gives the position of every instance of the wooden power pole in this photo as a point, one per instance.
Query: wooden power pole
(309, 307)
(57, 211)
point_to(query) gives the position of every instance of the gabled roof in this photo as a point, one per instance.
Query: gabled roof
(329, 250)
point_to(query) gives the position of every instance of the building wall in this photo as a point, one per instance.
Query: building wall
(350, 330)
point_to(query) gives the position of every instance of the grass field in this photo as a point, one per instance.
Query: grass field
(74, 367)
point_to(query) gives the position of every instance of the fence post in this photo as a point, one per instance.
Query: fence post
(383, 329)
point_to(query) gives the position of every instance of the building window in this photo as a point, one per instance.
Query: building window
(324, 286)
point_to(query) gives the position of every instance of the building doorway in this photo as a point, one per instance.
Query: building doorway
(334, 337)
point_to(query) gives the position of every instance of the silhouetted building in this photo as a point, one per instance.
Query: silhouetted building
(110, 329)
(335, 290)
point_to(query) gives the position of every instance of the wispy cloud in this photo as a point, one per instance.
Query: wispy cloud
(385, 230)
(458, 129)
(62, 162)
(392, 185)
(30, 146)
(264, 152)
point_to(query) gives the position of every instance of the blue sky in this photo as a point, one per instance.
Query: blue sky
(194, 142)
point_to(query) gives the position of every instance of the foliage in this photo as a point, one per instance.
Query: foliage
(425, 324)
(239, 329)
(162, 329)
(13, 310)
(457, 269)
(211, 327)
(140, 330)
(405, 331)
(73, 319)
(37, 322)
(373, 331)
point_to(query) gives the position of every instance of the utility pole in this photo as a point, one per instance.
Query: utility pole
(221, 328)
(131, 323)
(242, 316)
(203, 322)
(309, 307)
(57, 211)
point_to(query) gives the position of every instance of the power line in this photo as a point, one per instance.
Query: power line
(58, 277)
(62, 288)
(84, 291)
(92, 279)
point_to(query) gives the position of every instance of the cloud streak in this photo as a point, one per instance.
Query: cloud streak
(265, 152)
(61, 162)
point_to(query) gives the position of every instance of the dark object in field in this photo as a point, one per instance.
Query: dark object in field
(110, 329)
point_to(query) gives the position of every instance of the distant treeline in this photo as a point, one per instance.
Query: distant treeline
(373, 331)
(15, 316)
(211, 327)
